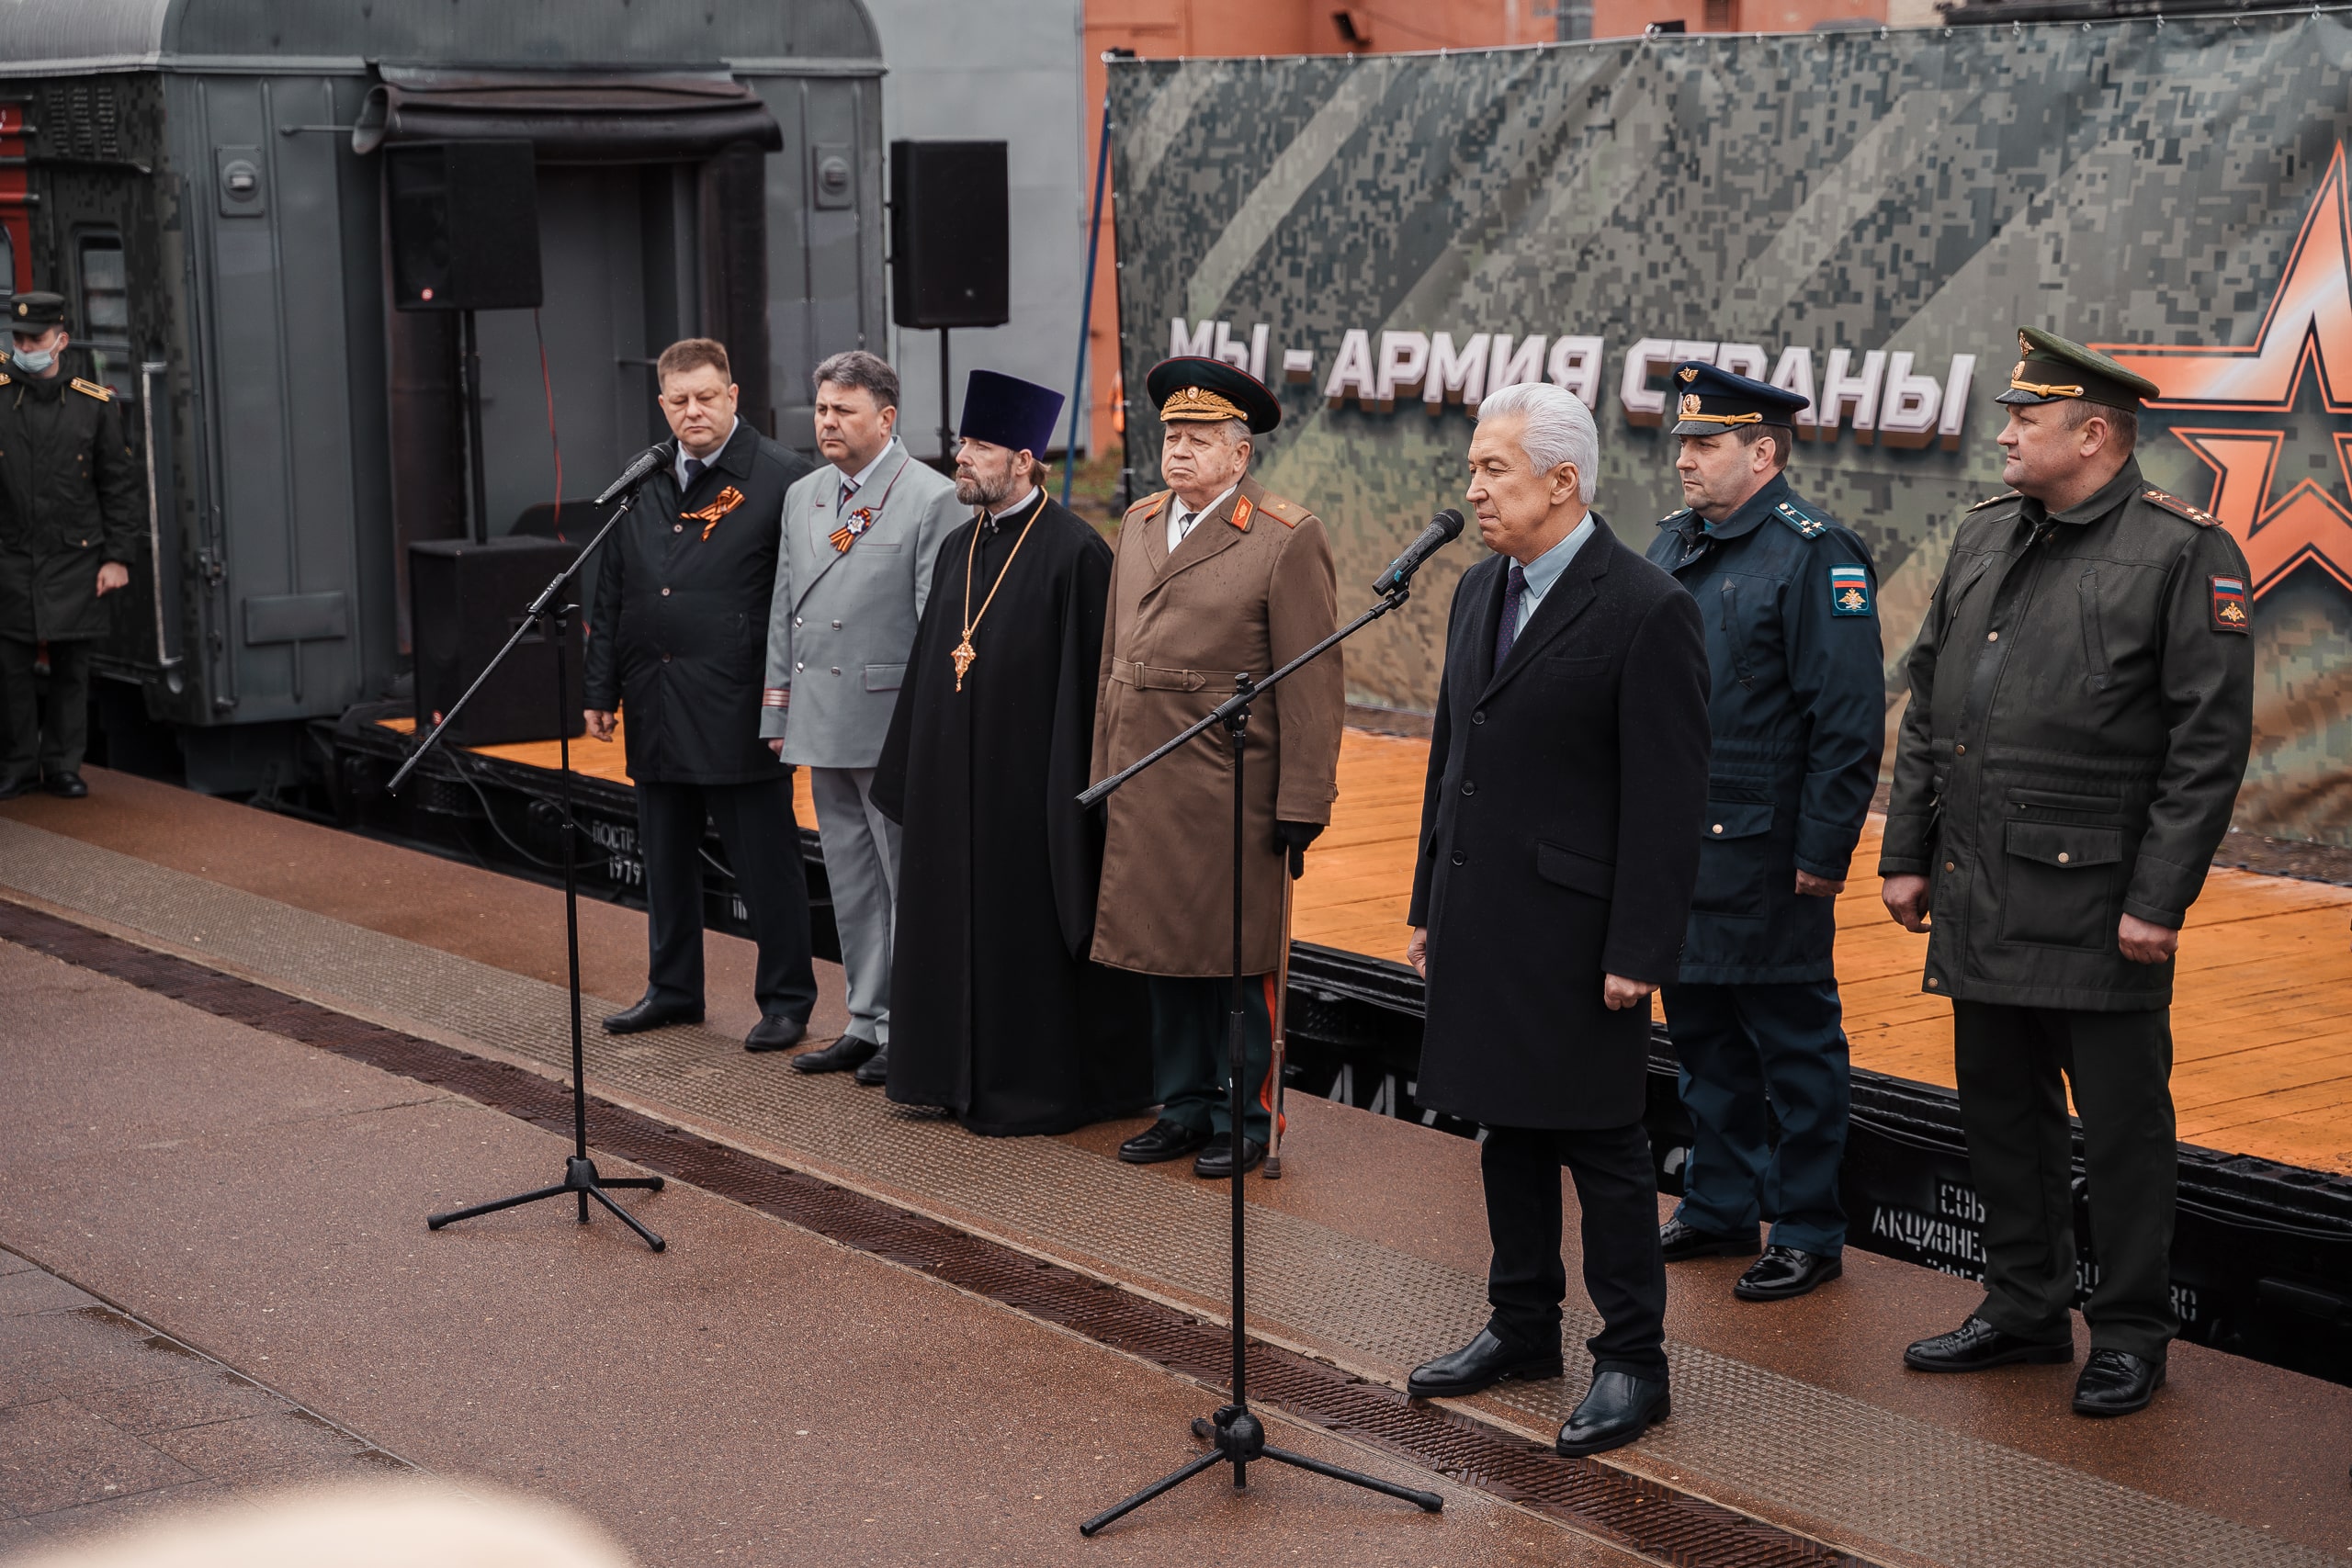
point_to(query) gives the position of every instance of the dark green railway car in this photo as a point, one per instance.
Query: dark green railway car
(202, 179)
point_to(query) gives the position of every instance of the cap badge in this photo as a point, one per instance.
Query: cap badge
(1689, 405)
(1200, 403)
(1689, 373)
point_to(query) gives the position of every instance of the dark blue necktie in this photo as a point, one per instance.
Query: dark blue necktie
(695, 468)
(1508, 632)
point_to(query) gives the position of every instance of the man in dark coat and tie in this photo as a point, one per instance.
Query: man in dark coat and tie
(1003, 1019)
(678, 644)
(1559, 841)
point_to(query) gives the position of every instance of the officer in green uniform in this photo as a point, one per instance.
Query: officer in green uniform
(2082, 704)
(68, 518)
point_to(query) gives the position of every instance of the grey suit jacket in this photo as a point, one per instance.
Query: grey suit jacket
(840, 625)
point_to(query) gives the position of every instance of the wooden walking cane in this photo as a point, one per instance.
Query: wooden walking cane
(1282, 1013)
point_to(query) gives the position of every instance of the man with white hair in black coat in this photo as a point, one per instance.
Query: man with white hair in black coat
(1559, 843)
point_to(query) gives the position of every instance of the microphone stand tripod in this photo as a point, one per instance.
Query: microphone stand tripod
(579, 1175)
(1238, 1434)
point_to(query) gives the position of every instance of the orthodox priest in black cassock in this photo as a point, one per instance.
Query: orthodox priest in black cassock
(997, 1013)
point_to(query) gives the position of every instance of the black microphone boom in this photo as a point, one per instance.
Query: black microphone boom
(644, 466)
(1444, 529)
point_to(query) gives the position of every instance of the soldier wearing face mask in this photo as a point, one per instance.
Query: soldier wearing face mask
(69, 517)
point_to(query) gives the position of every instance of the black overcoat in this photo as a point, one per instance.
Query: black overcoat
(69, 501)
(678, 635)
(1559, 838)
(997, 1013)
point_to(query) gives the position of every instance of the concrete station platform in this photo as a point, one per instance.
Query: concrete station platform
(242, 1057)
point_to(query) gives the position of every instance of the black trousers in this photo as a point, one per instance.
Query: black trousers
(2015, 1066)
(1625, 1273)
(41, 740)
(763, 842)
(1192, 1052)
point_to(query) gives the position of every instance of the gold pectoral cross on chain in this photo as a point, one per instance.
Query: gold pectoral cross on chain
(963, 655)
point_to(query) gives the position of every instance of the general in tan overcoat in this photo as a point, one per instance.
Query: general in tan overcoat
(1243, 584)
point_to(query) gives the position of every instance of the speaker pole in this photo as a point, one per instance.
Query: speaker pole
(470, 355)
(946, 394)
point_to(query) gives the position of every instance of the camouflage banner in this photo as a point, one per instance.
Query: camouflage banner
(1866, 217)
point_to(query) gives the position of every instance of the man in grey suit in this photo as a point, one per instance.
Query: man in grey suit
(850, 580)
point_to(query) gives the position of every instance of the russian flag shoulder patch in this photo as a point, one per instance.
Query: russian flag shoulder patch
(1849, 590)
(2230, 606)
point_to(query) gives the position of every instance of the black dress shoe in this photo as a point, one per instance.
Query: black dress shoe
(2116, 1382)
(1484, 1362)
(774, 1032)
(11, 788)
(1618, 1408)
(65, 786)
(1785, 1271)
(1976, 1345)
(1680, 1241)
(1162, 1141)
(850, 1051)
(650, 1014)
(875, 1071)
(1215, 1162)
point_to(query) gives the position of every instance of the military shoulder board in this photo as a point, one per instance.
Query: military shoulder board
(3, 379)
(1148, 507)
(1671, 518)
(1811, 528)
(1995, 500)
(1289, 513)
(91, 389)
(2179, 508)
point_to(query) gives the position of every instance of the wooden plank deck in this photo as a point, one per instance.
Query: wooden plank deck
(2262, 1020)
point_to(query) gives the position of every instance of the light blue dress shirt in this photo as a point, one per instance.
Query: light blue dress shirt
(1545, 570)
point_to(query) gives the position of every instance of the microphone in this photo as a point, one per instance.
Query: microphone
(644, 465)
(1444, 529)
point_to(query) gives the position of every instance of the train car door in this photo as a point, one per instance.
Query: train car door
(574, 388)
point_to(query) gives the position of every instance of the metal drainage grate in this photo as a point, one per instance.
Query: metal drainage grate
(1643, 1515)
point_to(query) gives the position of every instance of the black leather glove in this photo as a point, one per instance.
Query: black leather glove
(1293, 837)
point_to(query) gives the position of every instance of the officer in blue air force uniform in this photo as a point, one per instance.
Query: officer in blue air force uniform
(1789, 600)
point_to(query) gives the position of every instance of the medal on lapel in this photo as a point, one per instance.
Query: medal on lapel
(728, 501)
(859, 521)
(849, 532)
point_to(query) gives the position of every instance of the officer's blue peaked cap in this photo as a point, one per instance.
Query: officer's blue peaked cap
(1710, 402)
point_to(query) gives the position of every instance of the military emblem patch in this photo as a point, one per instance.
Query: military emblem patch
(1688, 375)
(1849, 590)
(1689, 405)
(2229, 605)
